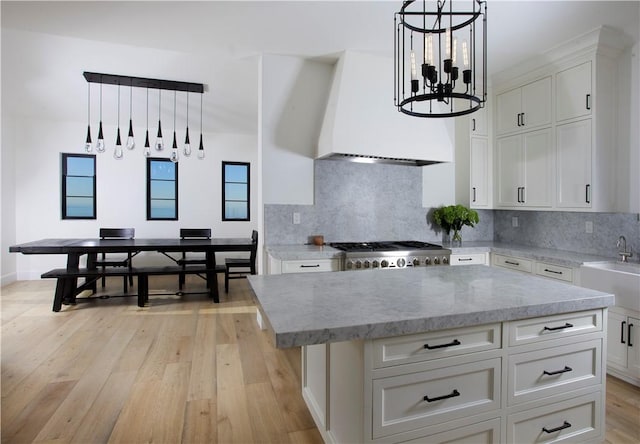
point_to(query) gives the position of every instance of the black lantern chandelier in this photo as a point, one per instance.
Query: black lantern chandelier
(428, 58)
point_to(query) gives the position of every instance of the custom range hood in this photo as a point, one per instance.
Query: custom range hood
(362, 124)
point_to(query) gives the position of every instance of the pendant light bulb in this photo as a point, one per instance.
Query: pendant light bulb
(131, 142)
(175, 156)
(201, 149)
(88, 146)
(100, 147)
(159, 143)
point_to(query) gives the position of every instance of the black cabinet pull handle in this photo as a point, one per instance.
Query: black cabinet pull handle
(552, 271)
(440, 398)
(587, 193)
(450, 344)
(522, 120)
(566, 325)
(523, 199)
(566, 425)
(474, 194)
(588, 101)
(557, 372)
(629, 335)
(464, 259)
(310, 266)
(622, 332)
(518, 119)
(512, 263)
(474, 124)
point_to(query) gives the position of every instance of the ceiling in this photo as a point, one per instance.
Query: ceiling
(235, 30)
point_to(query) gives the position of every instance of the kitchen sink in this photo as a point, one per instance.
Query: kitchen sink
(619, 278)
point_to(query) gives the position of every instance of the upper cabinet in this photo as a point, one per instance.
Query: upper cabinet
(573, 92)
(524, 108)
(479, 123)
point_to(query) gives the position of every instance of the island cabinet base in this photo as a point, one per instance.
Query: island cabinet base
(531, 380)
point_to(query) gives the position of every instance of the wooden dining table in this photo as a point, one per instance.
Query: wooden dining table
(74, 248)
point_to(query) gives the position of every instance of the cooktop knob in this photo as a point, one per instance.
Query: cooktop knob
(358, 264)
(427, 261)
(416, 261)
(445, 260)
(436, 260)
(384, 263)
(367, 264)
(401, 263)
(375, 264)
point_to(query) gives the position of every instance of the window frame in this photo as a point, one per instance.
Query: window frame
(149, 199)
(64, 196)
(224, 199)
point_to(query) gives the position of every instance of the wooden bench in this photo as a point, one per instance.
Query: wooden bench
(67, 277)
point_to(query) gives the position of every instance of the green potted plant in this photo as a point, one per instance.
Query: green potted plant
(454, 217)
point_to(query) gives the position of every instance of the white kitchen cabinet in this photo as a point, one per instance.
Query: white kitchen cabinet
(540, 268)
(525, 169)
(574, 164)
(278, 266)
(623, 345)
(524, 108)
(479, 123)
(469, 259)
(574, 92)
(470, 384)
(480, 173)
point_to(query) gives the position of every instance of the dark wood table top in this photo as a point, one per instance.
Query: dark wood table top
(96, 245)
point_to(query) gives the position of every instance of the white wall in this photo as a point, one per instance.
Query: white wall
(44, 114)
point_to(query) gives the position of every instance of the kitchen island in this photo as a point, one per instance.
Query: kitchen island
(486, 355)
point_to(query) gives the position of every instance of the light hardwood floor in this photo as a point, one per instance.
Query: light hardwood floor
(181, 370)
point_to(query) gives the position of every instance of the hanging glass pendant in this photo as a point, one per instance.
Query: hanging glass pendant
(159, 143)
(131, 142)
(201, 149)
(187, 143)
(100, 147)
(88, 147)
(146, 152)
(174, 150)
(117, 151)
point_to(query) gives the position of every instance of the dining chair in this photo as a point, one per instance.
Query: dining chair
(246, 265)
(119, 261)
(193, 258)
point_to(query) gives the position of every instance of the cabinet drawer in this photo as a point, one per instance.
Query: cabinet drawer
(546, 372)
(468, 259)
(554, 271)
(554, 327)
(407, 402)
(487, 432)
(574, 420)
(514, 263)
(440, 344)
(310, 266)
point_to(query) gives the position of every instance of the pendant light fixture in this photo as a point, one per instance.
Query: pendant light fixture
(187, 144)
(426, 61)
(88, 144)
(131, 142)
(147, 147)
(174, 147)
(159, 143)
(100, 142)
(117, 151)
(201, 147)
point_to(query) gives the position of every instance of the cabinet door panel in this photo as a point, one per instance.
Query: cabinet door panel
(509, 165)
(633, 357)
(573, 92)
(617, 339)
(538, 169)
(536, 103)
(479, 123)
(479, 172)
(574, 164)
(508, 106)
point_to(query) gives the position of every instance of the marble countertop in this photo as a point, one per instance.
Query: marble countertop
(557, 257)
(314, 308)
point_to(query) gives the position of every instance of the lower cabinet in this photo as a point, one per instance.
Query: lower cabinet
(535, 380)
(623, 345)
(277, 266)
(545, 269)
(469, 259)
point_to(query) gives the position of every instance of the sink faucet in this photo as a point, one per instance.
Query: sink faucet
(624, 254)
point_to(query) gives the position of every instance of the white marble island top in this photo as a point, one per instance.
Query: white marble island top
(316, 308)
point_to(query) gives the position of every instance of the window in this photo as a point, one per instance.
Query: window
(235, 191)
(78, 186)
(162, 189)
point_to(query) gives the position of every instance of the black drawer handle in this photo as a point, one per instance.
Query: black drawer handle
(629, 335)
(566, 425)
(465, 259)
(557, 372)
(566, 325)
(622, 332)
(588, 101)
(552, 271)
(450, 344)
(453, 394)
(310, 266)
(517, 264)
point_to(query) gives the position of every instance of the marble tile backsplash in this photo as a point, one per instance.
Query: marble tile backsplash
(567, 231)
(363, 202)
